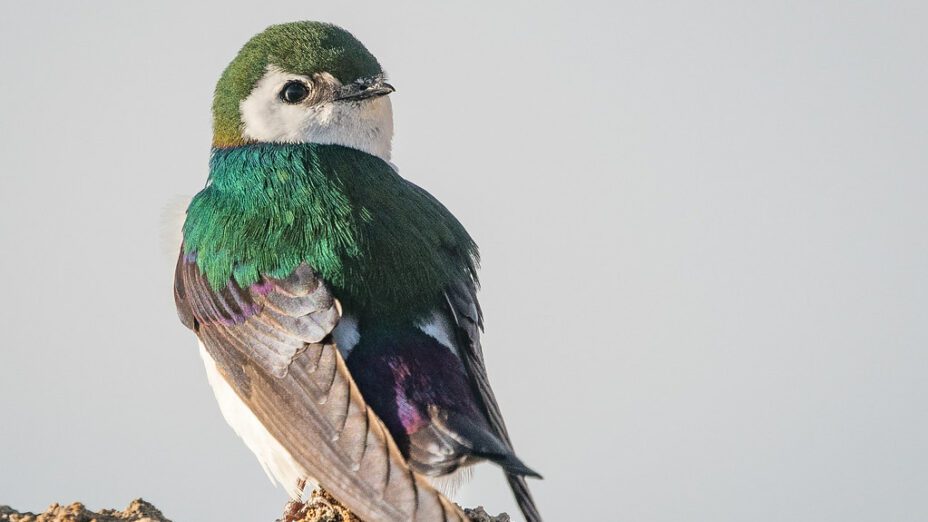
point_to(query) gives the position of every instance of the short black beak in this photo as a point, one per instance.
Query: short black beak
(364, 89)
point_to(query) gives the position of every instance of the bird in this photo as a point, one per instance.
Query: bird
(335, 302)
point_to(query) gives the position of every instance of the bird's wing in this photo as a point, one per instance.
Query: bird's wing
(467, 316)
(272, 343)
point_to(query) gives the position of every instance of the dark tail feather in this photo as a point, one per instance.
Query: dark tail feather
(481, 442)
(524, 498)
(512, 465)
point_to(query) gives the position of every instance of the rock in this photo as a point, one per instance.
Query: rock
(138, 511)
(320, 507)
(479, 515)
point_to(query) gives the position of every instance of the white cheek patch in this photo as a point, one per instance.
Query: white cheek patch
(265, 115)
(366, 125)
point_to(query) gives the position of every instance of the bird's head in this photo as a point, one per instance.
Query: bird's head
(304, 82)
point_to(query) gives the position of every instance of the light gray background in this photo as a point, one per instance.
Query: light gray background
(703, 227)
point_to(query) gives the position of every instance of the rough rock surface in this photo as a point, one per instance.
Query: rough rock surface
(477, 514)
(138, 511)
(320, 507)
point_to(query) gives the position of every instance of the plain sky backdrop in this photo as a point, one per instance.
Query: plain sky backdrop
(703, 224)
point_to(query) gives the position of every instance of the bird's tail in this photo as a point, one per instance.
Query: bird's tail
(523, 497)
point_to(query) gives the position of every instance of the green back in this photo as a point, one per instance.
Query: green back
(384, 245)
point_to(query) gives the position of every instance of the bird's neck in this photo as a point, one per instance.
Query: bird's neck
(374, 237)
(268, 207)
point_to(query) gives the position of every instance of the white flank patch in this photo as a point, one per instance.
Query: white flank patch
(438, 327)
(276, 461)
(346, 335)
(366, 125)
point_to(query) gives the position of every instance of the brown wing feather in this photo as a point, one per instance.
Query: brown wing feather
(271, 342)
(465, 310)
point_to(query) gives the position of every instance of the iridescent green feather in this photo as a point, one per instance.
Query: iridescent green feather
(384, 245)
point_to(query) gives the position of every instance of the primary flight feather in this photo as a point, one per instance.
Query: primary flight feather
(334, 301)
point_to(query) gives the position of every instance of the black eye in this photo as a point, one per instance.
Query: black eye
(294, 92)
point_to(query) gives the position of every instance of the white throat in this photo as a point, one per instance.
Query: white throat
(365, 125)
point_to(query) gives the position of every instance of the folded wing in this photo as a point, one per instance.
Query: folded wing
(271, 342)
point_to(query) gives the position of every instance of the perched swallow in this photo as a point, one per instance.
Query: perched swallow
(334, 301)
